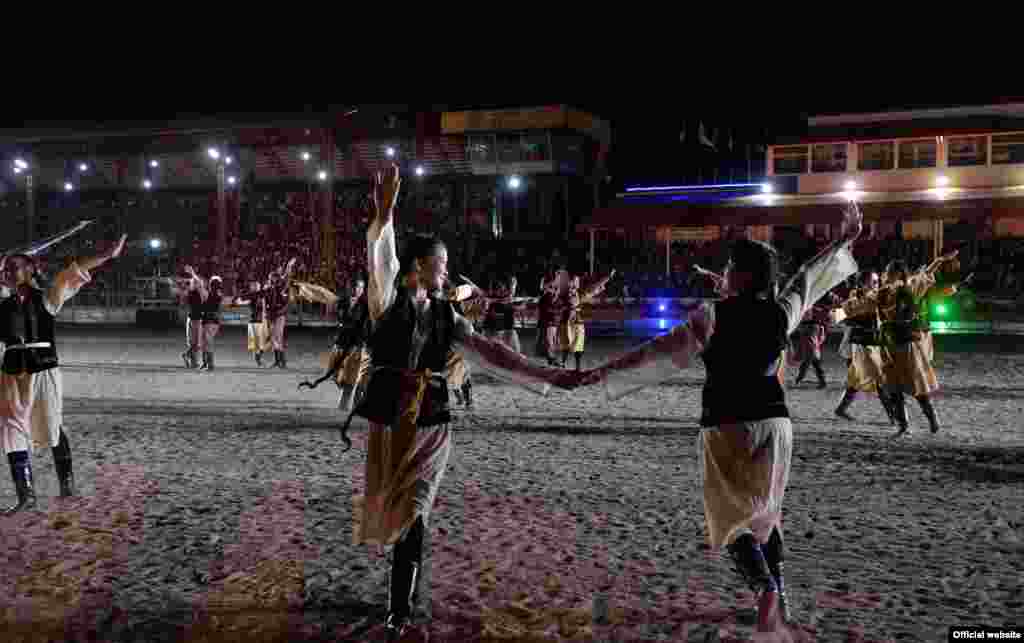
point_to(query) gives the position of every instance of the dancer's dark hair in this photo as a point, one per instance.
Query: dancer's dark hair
(760, 261)
(419, 247)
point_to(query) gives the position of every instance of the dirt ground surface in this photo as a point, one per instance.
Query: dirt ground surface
(217, 507)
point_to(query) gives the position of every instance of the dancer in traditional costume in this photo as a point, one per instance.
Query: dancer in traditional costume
(746, 444)
(413, 334)
(573, 328)
(861, 346)
(32, 407)
(500, 322)
(547, 321)
(809, 338)
(907, 348)
(277, 295)
(258, 338)
(194, 299)
(211, 320)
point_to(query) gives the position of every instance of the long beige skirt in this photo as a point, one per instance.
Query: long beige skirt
(908, 367)
(259, 338)
(866, 371)
(745, 469)
(31, 410)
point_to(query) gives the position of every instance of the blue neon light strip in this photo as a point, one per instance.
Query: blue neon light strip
(696, 187)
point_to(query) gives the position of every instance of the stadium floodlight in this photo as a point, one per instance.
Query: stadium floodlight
(68, 186)
(214, 153)
(147, 184)
(514, 182)
(154, 244)
(17, 170)
(419, 170)
(767, 188)
(322, 175)
(390, 152)
(154, 163)
(232, 180)
(227, 160)
(82, 167)
(20, 163)
(942, 181)
(305, 156)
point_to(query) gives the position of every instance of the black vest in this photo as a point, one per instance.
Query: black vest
(211, 309)
(195, 305)
(28, 323)
(500, 317)
(904, 324)
(391, 343)
(742, 359)
(255, 307)
(863, 329)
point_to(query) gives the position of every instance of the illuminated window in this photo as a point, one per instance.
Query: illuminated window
(790, 160)
(972, 150)
(918, 153)
(535, 147)
(481, 149)
(828, 158)
(876, 156)
(1007, 148)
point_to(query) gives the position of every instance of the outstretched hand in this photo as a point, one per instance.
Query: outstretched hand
(385, 186)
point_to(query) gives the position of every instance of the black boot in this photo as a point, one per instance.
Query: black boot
(467, 392)
(209, 361)
(284, 362)
(803, 372)
(458, 396)
(929, 412)
(277, 359)
(21, 473)
(751, 567)
(258, 356)
(579, 359)
(820, 372)
(883, 397)
(62, 463)
(899, 409)
(189, 357)
(565, 358)
(403, 590)
(206, 361)
(848, 397)
(775, 557)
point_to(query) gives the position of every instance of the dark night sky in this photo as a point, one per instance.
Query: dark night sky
(645, 130)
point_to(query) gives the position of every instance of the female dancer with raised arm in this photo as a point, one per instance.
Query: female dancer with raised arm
(413, 332)
(746, 447)
(865, 372)
(573, 329)
(258, 339)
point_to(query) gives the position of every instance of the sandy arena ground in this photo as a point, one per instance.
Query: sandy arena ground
(217, 507)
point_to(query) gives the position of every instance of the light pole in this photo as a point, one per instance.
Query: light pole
(22, 167)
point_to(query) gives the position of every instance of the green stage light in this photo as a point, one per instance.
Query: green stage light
(941, 309)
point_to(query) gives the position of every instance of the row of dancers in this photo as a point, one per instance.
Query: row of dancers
(412, 337)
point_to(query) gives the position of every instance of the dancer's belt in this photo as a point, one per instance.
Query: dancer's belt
(32, 345)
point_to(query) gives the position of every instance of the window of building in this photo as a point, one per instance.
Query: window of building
(972, 150)
(1007, 148)
(877, 156)
(535, 147)
(510, 148)
(828, 158)
(481, 148)
(790, 160)
(918, 153)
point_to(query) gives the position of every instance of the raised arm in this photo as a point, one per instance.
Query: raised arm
(825, 271)
(595, 289)
(381, 252)
(70, 280)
